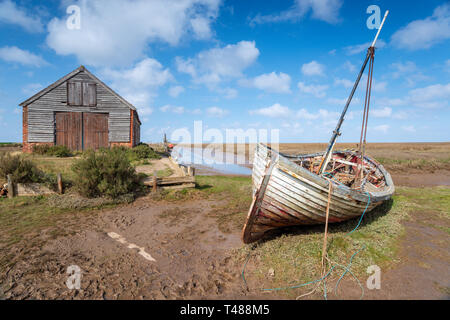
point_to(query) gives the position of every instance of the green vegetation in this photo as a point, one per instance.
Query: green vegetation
(428, 164)
(56, 151)
(107, 172)
(167, 172)
(295, 255)
(10, 144)
(141, 152)
(22, 170)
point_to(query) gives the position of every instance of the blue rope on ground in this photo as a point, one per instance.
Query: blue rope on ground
(362, 216)
(303, 284)
(243, 269)
(346, 269)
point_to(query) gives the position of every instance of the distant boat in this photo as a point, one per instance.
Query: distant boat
(288, 192)
(295, 190)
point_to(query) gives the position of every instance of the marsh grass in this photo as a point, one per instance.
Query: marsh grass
(295, 253)
(428, 164)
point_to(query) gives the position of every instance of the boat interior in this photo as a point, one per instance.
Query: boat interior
(345, 168)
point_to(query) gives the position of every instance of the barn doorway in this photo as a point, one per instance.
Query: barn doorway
(82, 130)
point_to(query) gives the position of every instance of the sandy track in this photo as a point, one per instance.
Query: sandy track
(192, 257)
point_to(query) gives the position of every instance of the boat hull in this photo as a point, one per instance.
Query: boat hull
(286, 194)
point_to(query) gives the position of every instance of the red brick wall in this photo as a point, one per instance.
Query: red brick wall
(25, 147)
(121, 144)
(28, 147)
(131, 128)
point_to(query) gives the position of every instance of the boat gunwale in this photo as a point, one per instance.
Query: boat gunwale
(343, 190)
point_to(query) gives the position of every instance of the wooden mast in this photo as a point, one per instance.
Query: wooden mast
(328, 153)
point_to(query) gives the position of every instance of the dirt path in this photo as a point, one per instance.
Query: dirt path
(159, 165)
(423, 272)
(192, 257)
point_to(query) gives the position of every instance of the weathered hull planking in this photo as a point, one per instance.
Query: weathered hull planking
(287, 194)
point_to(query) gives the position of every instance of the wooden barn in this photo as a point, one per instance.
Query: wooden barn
(81, 112)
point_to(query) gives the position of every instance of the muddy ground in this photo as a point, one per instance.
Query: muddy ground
(194, 258)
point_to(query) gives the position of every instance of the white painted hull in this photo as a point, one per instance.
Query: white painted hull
(291, 195)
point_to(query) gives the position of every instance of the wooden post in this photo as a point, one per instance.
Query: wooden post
(155, 182)
(60, 183)
(189, 171)
(192, 171)
(10, 187)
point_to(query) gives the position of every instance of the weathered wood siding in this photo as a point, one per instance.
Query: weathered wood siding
(41, 113)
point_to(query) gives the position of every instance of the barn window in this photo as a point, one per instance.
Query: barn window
(81, 94)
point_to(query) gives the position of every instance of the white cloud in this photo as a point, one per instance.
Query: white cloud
(117, 32)
(139, 83)
(407, 70)
(304, 114)
(24, 57)
(349, 66)
(32, 88)
(316, 90)
(274, 111)
(313, 68)
(381, 113)
(383, 128)
(363, 47)
(342, 102)
(175, 91)
(379, 86)
(228, 93)
(325, 10)
(432, 96)
(400, 115)
(212, 66)
(402, 68)
(411, 129)
(201, 27)
(321, 114)
(423, 34)
(172, 109)
(10, 13)
(270, 82)
(216, 112)
(343, 82)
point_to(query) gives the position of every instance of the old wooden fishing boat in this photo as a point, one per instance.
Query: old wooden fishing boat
(291, 190)
(288, 192)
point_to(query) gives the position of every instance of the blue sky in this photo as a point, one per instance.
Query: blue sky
(286, 65)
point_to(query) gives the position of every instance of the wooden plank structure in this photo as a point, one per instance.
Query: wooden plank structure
(287, 193)
(184, 178)
(30, 189)
(332, 186)
(80, 112)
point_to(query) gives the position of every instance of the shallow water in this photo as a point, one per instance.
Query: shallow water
(211, 161)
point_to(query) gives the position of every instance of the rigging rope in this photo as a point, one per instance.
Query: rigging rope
(324, 277)
(359, 175)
